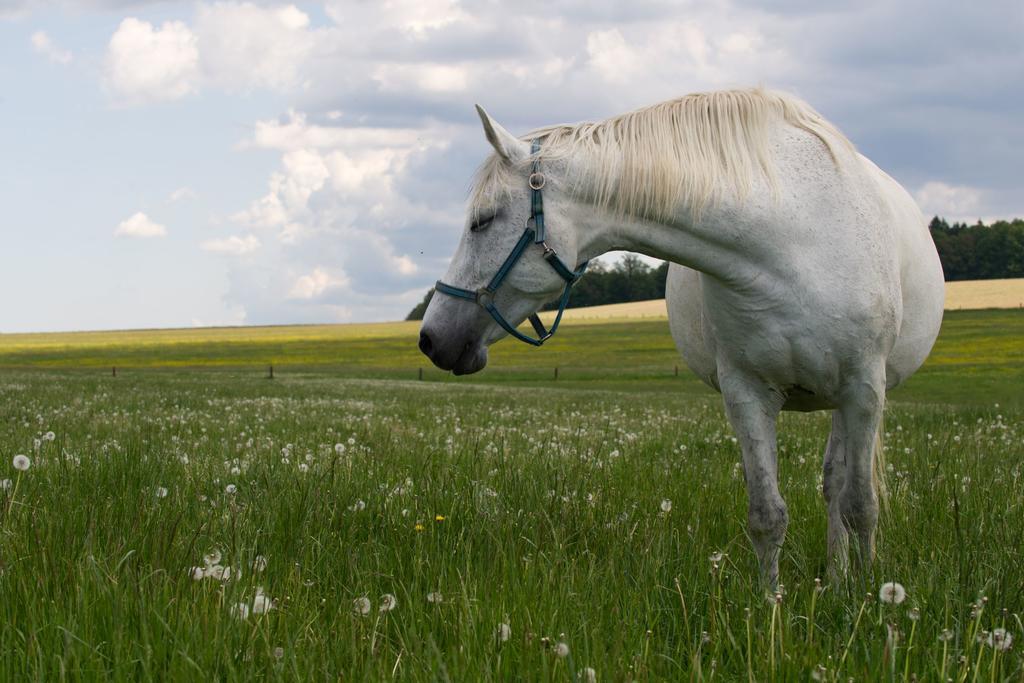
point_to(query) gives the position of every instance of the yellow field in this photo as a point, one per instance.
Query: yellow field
(975, 294)
(652, 309)
(186, 335)
(959, 296)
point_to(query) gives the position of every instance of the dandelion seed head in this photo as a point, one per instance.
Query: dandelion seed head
(224, 573)
(240, 611)
(361, 606)
(999, 639)
(892, 593)
(261, 604)
(435, 598)
(230, 489)
(666, 506)
(562, 650)
(503, 633)
(21, 462)
(388, 602)
(588, 675)
(161, 492)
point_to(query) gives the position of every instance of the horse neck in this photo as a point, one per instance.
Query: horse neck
(713, 244)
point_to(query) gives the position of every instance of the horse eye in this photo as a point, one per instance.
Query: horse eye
(481, 224)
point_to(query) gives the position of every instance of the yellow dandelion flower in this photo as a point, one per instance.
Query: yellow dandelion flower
(438, 518)
(419, 527)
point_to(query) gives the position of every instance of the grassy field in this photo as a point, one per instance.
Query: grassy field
(577, 517)
(979, 355)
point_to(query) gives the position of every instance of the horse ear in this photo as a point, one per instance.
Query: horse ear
(507, 146)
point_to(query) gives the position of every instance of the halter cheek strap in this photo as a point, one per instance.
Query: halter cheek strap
(484, 296)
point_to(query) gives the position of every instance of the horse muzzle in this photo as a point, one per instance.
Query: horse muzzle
(460, 357)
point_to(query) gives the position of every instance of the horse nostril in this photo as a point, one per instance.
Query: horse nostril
(426, 345)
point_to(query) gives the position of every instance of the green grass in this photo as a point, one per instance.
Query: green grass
(550, 494)
(979, 355)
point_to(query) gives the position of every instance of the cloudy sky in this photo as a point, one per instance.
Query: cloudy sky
(207, 163)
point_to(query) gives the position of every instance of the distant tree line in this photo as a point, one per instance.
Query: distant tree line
(967, 252)
(979, 251)
(629, 279)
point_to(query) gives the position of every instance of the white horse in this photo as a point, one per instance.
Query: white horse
(803, 277)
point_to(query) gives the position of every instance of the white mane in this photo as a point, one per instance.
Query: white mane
(685, 151)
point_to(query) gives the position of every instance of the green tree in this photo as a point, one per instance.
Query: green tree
(417, 312)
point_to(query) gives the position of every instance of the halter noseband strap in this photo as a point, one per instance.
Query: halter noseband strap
(484, 296)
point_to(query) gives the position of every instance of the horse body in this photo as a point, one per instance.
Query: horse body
(835, 284)
(803, 277)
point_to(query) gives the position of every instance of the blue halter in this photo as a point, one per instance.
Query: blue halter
(484, 296)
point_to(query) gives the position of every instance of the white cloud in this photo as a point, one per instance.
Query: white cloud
(181, 194)
(44, 45)
(740, 43)
(298, 133)
(404, 265)
(304, 172)
(671, 58)
(337, 207)
(414, 18)
(611, 56)
(316, 283)
(234, 245)
(245, 46)
(140, 225)
(145, 64)
(431, 78)
(231, 46)
(956, 202)
(351, 169)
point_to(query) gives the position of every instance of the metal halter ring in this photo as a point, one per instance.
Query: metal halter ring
(537, 180)
(484, 296)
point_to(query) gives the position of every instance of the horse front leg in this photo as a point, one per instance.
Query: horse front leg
(753, 408)
(834, 476)
(861, 414)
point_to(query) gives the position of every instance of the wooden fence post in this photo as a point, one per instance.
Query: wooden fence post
(421, 374)
(556, 373)
(677, 370)
(113, 371)
(271, 375)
